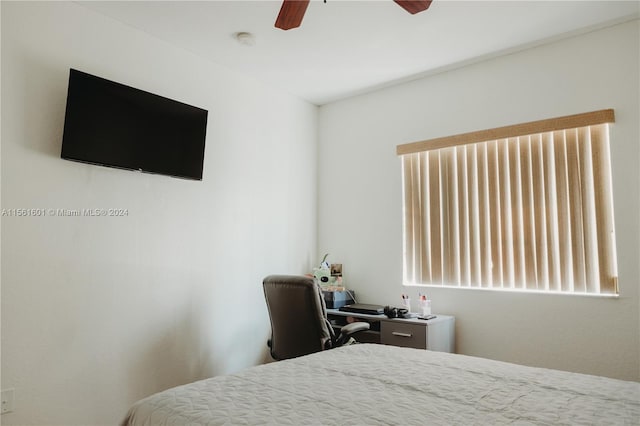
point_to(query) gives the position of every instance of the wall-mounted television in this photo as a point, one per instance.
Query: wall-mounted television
(111, 124)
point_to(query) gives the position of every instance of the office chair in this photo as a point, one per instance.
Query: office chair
(299, 324)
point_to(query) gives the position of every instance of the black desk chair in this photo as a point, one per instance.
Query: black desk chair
(299, 324)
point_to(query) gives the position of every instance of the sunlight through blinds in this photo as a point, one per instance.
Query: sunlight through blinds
(519, 211)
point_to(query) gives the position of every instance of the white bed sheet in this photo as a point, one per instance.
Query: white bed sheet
(367, 384)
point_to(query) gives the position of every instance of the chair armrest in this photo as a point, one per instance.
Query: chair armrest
(354, 327)
(349, 329)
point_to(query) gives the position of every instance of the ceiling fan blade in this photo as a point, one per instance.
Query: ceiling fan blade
(291, 14)
(414, 6)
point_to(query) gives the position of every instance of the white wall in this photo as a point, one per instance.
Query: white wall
(360, 195)
(99, 312)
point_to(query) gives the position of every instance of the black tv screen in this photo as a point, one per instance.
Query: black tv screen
(110, 124)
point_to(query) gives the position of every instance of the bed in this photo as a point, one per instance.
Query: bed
(369, 384)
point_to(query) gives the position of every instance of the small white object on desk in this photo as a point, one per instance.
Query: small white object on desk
(425, 304)
(406, 302)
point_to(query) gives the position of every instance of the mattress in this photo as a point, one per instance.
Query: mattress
(368, 384)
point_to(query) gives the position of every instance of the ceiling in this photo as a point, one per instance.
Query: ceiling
(348, 47)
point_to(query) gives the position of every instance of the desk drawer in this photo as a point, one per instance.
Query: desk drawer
(403, 334)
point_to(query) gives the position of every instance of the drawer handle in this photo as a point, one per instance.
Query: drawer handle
(397, 333)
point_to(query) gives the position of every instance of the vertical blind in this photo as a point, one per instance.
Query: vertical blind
(524, 212)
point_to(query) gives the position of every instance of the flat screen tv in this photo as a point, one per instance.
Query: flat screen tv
(114, 125)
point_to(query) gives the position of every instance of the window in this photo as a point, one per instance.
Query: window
(523, 207)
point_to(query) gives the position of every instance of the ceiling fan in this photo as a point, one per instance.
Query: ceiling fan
(292, 11)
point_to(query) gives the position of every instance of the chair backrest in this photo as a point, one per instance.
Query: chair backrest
(298, 315)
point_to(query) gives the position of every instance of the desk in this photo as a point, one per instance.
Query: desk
(437, 334)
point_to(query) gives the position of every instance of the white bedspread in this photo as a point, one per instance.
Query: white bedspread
(368, 384)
